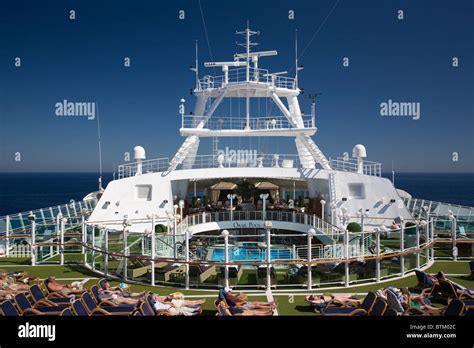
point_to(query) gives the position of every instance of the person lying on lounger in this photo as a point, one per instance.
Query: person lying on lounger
(67, 290)
(121, 292)
(240, 300)
(8, 283)
(177, 299)
(417, 301)
(237, 310)
(173, 308)
(116, 297)
(322, 301)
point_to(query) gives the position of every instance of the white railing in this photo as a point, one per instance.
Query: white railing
(238, 75)
(148, 166)
(350, 165)
(239, 123)
(16, 224)
(310, 220)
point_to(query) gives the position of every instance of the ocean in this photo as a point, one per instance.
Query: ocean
(21, 192)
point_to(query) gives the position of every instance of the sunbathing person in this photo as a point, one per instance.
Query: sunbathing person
(177, 299)
(8, 283)
(121, 292)
(116, 297)
(67, 290)
(417, 301)
(173, 309)
(240, 300)
(325, 300)
(237, 310)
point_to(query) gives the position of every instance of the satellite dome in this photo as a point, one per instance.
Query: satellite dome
(359, 151)
(139, 153)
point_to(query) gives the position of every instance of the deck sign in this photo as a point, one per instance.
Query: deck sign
(37, 331)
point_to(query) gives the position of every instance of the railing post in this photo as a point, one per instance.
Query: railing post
(63, 223)
(125, 252)
(186, 265)
(83, 226)
(106, 247)
(153, 251)
(33, 241)
(346, 265)
(377, 251)
(269, 259)
(432, 239)
(417, 236)
(225, 234)
(310, 234)
(427, 240)
(453, 236)
(7, 235)
(402, 247)
(93, 248)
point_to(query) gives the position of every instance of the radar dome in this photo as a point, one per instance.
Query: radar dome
(139, 153)
(359, 151)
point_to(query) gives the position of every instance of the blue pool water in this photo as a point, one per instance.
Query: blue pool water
(252, 254)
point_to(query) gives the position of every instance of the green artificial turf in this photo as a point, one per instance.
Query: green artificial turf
(293, 304)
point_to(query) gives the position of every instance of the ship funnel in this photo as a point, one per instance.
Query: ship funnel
(359, 152)
(139, 155)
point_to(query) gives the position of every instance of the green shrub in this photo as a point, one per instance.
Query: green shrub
(410, 228)
(354, 227)
(160, 228)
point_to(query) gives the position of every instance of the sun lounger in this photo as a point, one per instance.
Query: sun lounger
(94, 291)
(165, 273)
(235, 273)
(24, 305)
(379, 307)
(8, 309)
(40, 299)
(200, 273)
(455, 308)
(92, 307)
(363, 309)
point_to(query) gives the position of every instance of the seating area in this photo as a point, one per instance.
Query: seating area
(432, 295)
(100, 299)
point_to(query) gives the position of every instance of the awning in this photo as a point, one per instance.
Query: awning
(265, 185)
(223, 185)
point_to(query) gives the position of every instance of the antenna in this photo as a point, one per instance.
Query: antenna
(248, 46)
(101, 189)
(313, 97)
(296, 57)
(393, 175)
(196, 67)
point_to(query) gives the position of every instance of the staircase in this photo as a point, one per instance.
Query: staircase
(314, 150)
(190, 145)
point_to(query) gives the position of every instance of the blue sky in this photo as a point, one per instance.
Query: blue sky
(82, 60)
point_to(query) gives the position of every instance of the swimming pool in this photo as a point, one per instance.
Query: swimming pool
(251, 254)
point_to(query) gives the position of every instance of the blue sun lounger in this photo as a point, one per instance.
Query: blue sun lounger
(363, 309)
(40, 299)
(25, 307)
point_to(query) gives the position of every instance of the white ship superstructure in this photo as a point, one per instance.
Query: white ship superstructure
(349, 186)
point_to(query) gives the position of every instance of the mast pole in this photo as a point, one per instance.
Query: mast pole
(296, 58)
(247, 104)
(197, 66)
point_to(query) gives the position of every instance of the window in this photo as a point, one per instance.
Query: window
(143, 192)
(357, 191)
